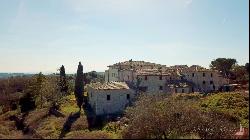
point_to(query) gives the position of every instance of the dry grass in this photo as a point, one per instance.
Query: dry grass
(51, 127)
(88, 135)
(8, 130)
(80, 124)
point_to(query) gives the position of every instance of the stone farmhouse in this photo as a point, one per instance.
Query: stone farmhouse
(205, 80)
(110, 97)
(156, 78)
(124, 79)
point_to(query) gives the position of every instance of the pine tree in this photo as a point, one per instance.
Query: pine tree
(63, 81)
(79, 89)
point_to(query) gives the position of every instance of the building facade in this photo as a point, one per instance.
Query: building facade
(156, 78)
(205, 80)
(110, 97)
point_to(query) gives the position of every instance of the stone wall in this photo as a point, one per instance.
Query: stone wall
(210, 81)
(116, 104)
(126, 75)
(111, 75)
(153, 83)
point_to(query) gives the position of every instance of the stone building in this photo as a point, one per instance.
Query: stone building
(180, 87)
(205, 80)
(156, 78)
(110, 97)
(125, 71)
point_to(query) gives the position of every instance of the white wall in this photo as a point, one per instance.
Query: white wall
(117, 103)
(111, 75)
(153, 83)
(198, 80)
(126, 75)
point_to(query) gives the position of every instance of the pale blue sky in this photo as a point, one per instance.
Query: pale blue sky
(41, 35)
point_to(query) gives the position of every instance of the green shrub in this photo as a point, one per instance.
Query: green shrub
(235, 105)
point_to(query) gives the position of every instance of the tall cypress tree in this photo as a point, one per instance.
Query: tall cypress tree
(79, 86)
(63, 80)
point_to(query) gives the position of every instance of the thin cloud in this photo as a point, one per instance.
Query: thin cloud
(20, 15)
(188, 3)
(224, 20)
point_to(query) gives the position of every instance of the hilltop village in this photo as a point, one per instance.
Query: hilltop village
(171, 102)
(125, 80)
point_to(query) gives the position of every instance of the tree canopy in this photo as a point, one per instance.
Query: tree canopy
(224, 65)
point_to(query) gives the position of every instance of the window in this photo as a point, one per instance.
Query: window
(192, 74)
(204, 75)
(192, 89)
(146, 77)
(108, 97)
(160, 77)
(128, 77)
(211, 74)
(176, 91)
(143, 89)
(182, 90)
(211, 82)
(204, 82)
(170, 78)
(161, 88)
(91, 94)
(128, 96)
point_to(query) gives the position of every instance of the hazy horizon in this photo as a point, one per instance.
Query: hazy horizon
(43, 35)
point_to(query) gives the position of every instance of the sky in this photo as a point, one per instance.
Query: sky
(42, 35)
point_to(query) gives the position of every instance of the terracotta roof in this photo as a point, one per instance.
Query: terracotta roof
(109, 85)
(136, 63)
(152, 72)
(201, 70)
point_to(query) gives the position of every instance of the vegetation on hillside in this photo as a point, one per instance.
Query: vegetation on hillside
(47, 106)
(234, 104)
(168, 117)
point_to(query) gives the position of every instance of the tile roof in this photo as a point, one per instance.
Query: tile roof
(136, 63)
(109, 85)
(152, 72)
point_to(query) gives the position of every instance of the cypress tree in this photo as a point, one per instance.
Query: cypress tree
(63, 82)
(79, 89)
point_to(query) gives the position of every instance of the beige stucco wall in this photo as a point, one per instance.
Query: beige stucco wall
(126, 75)
(153, 83)
(111, 75)
(198, 80)
(179, 90)
(117, 103)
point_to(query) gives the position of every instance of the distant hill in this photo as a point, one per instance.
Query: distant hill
(7, 75)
